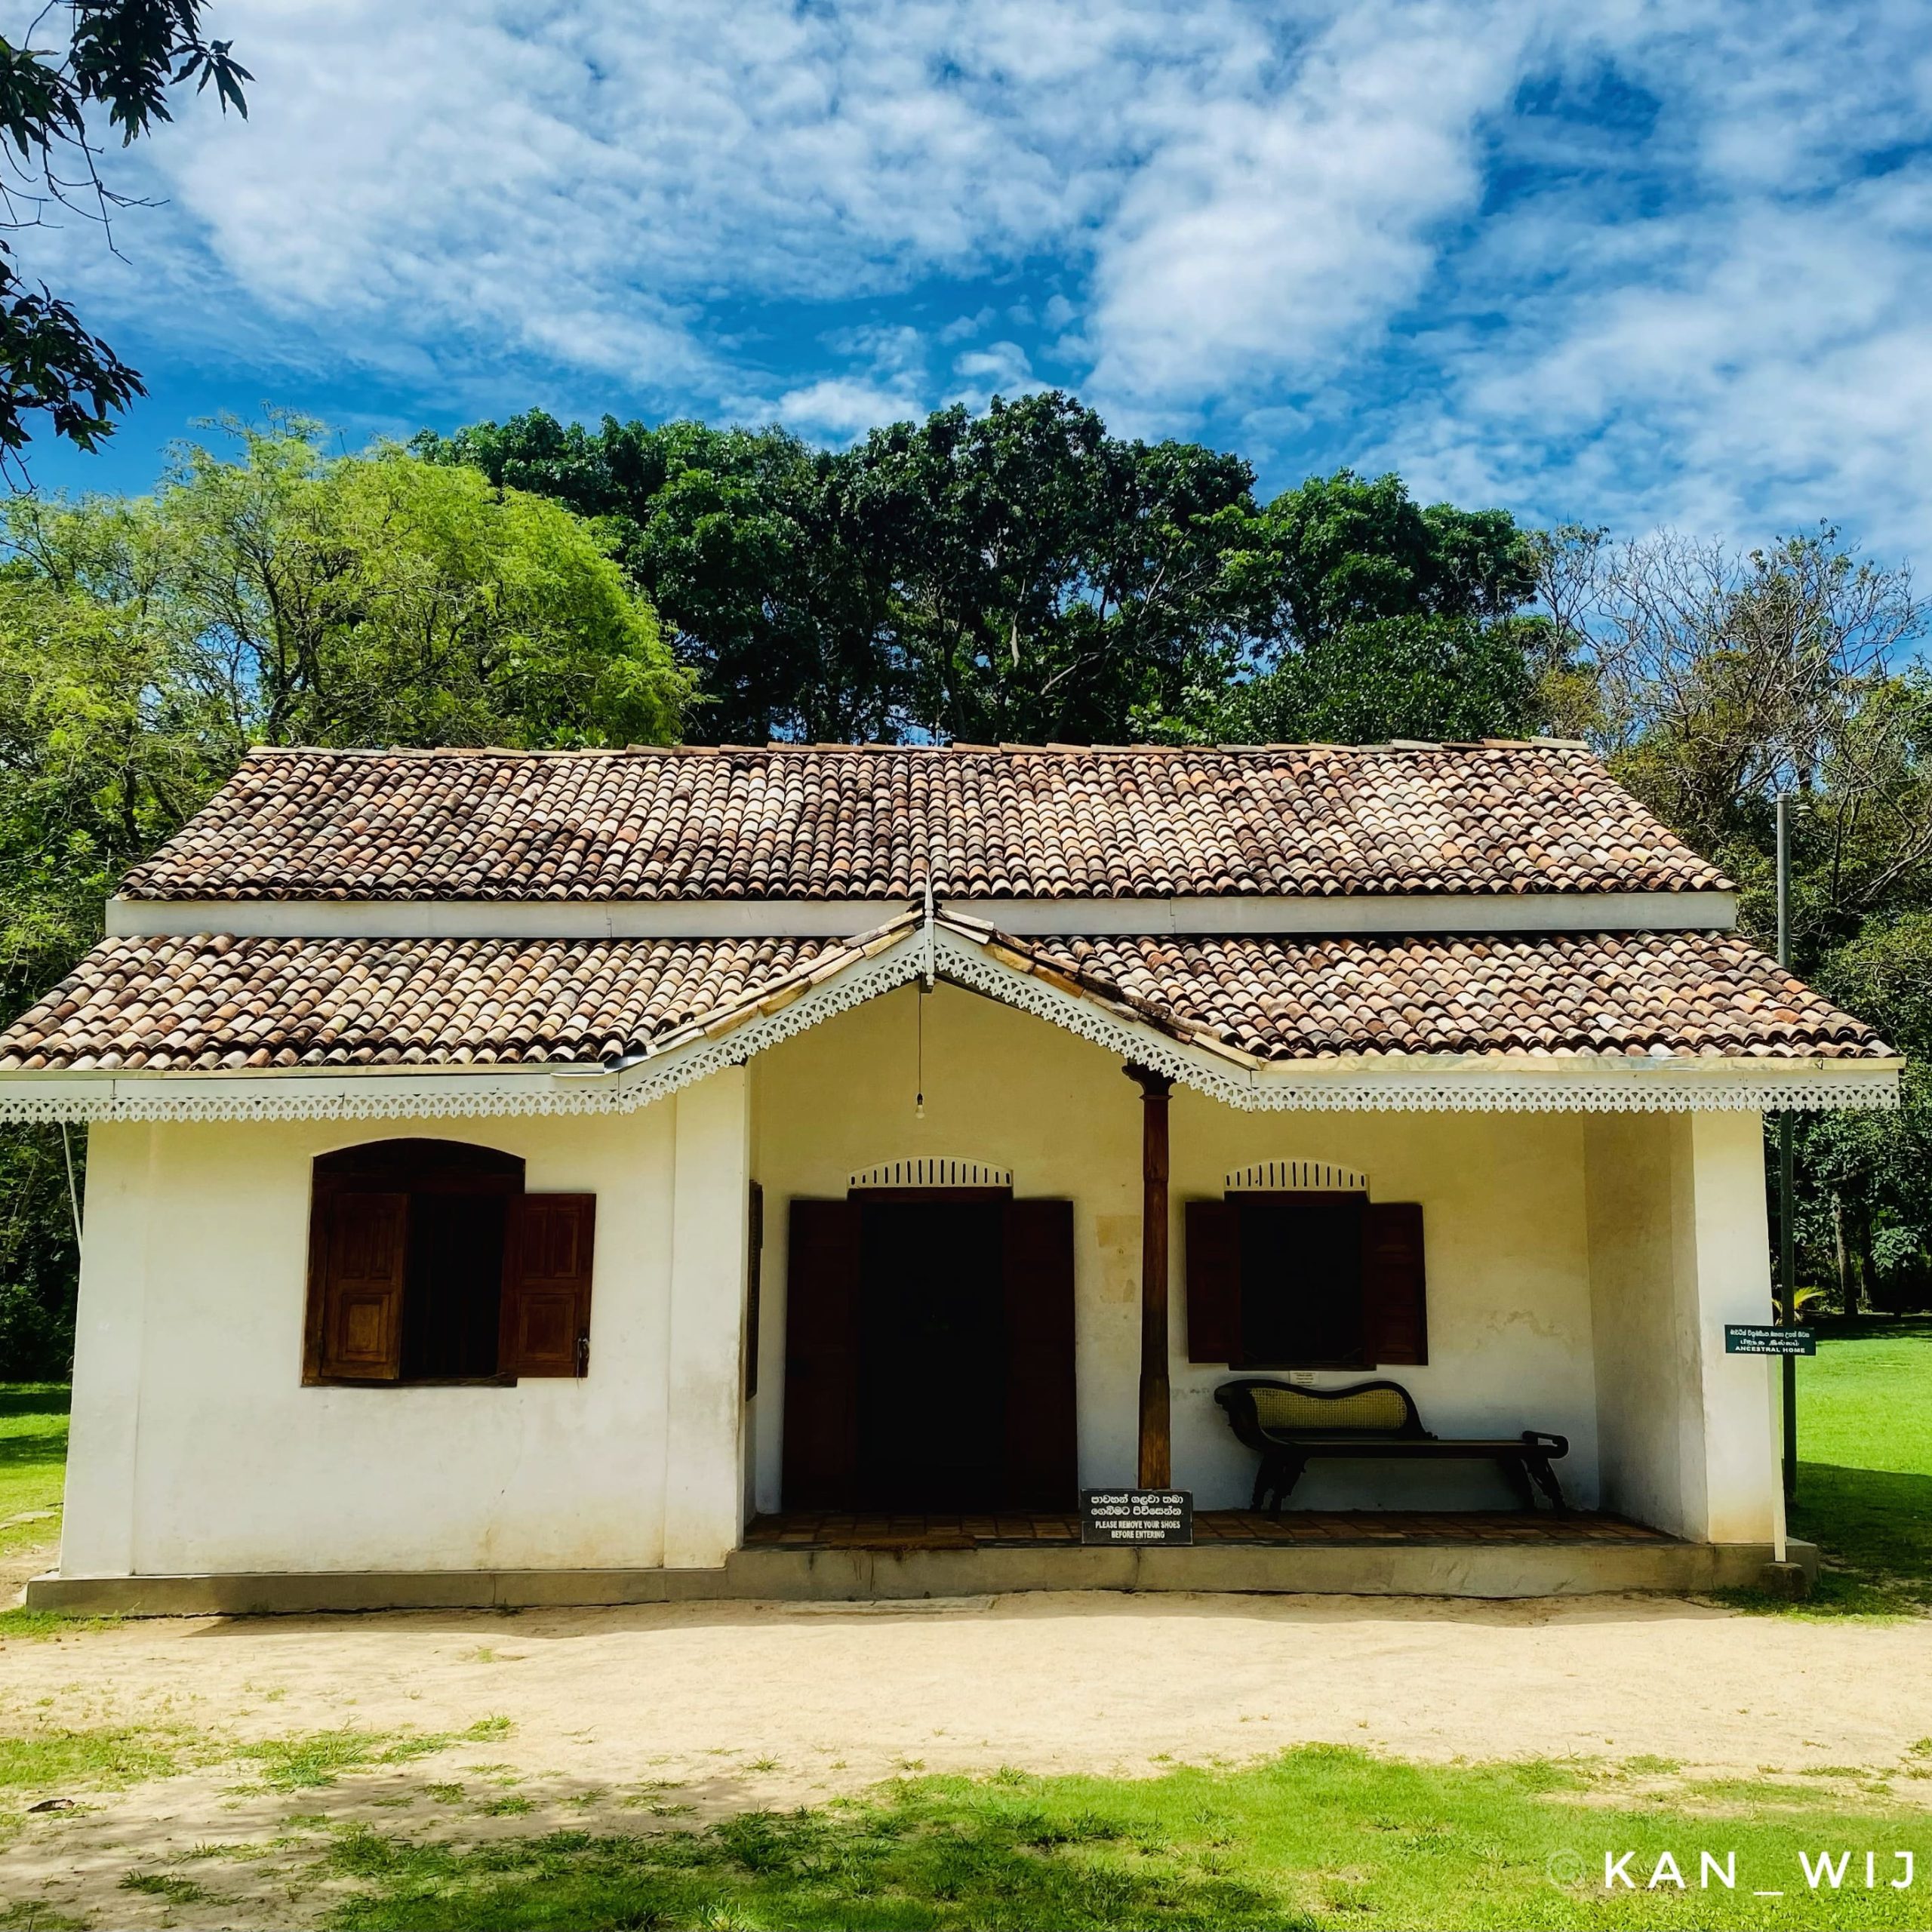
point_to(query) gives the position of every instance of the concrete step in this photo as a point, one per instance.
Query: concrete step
(1545, 1567)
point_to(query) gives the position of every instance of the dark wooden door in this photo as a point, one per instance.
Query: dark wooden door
(929, 1356)
(1040, 1463)
(932, 1355)
(822, 1355)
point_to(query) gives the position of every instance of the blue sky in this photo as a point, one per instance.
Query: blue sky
(1623, 262)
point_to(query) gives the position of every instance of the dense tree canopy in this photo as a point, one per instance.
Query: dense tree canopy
(282, 598)
(1023, 576)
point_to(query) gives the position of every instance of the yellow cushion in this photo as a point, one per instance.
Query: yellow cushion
(1378, 1409)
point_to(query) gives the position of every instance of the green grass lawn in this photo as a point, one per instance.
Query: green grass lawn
(33, 1461)
(1865, 1465)
(1318, 1837)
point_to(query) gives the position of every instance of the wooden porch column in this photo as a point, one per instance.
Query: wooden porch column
(1156, 1466)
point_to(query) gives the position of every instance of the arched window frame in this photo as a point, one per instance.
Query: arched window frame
(392, 1270)
(1305, 1272)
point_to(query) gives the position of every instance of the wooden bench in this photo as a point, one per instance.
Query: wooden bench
(1288, 1426)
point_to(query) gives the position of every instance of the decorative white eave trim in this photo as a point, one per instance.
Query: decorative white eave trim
(966, 954)
(839, 918)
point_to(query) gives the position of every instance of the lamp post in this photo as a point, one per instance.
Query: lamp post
(1787, 1178)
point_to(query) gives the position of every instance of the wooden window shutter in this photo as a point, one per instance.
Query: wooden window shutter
(1395, 1302)
(1039, 1459)
(358, 1256)
(1213, 1281)
(821, 1458)
(547, 1249)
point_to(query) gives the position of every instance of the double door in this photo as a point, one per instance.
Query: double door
(929, 1354)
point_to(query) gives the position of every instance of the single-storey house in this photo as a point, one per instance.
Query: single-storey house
(518, 1176)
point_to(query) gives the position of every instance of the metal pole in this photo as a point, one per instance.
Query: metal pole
(1787, 1182)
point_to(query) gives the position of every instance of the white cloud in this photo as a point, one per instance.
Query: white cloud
(581, 185)
(963, 328)
(1331, 227)
(575, 184)
(1002, 368)
(840, 409)
(1274, 233)
(1751, 354)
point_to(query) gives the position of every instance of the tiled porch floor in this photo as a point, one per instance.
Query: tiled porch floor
(805, 1529)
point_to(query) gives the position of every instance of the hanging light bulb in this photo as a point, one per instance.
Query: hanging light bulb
(919, 1082)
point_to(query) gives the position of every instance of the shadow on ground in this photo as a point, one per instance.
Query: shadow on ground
(1874, 1527)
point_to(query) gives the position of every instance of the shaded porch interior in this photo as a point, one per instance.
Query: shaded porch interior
(1562, 1271)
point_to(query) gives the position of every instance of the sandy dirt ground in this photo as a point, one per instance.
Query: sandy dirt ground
(664, 1717)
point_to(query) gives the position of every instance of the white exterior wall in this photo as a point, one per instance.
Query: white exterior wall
(1510, 1311)
(1580, 1272)
(196, 1448)
(704, 1358)
(1679, 1246)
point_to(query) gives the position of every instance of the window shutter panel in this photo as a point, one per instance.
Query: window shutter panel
(1213, 1281)
(547, 1250)
(1395, 1302)
(821, 1458)
(1039, 1452)
(361, 1255)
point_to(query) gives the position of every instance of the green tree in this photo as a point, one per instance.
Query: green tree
(362, 600)
(1049, 582)
(1868, 1175)
(1382, 618)
(1346, 551)
(281, 597)
(741, 540)
(126, 56)
(1714, 681)
(1022, 574)
(1418, 677)
(748, 550)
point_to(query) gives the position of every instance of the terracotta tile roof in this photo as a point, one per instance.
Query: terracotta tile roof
(853, 823)
(209, 1003)
(1702, 993)
(214, 1003)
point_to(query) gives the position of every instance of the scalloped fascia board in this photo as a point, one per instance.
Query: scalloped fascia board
(1351, 1084)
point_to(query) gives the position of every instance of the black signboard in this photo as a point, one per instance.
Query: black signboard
(1741, 1339)
(1137, 1518)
